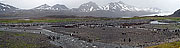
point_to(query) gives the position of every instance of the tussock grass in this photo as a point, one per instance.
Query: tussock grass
(41, 20)
(156, 18)
(21, 40)
(167, 45)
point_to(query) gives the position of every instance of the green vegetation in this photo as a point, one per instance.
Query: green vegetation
(156, 18)
(1, 33)
(167, 45)
(14, 44)
(85, 19)
(42, 20)
(21, 40)
(19, 34)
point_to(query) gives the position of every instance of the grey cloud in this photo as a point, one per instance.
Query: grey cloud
(167, 5)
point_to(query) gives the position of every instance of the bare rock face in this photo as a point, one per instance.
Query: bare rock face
(5, 7)
(43, 7)
(176, 14)
(88, 7)
(60, 7)
(113, 7)
(48, 7)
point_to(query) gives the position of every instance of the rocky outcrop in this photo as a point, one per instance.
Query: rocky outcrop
(176, 14)
(48, 7)
(5, 7)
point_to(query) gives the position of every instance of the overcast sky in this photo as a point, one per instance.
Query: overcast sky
(166, 5)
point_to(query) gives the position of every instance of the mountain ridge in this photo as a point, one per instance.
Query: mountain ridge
(114, 6)
(5, 7)
(113, 9)
(54, 7)
(176, 13)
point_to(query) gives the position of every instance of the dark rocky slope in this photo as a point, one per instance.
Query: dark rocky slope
(176, 14)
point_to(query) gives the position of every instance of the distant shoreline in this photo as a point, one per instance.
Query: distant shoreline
(160, 14)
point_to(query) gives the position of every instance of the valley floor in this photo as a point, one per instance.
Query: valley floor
(90, 32)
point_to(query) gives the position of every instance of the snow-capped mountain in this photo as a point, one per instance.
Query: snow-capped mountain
(116, 6)
(113, 6)
(43, 7)
(55, 7)
(113, 9)
(120, 6)
(59, 7)
(90, 6)
(5, 7)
